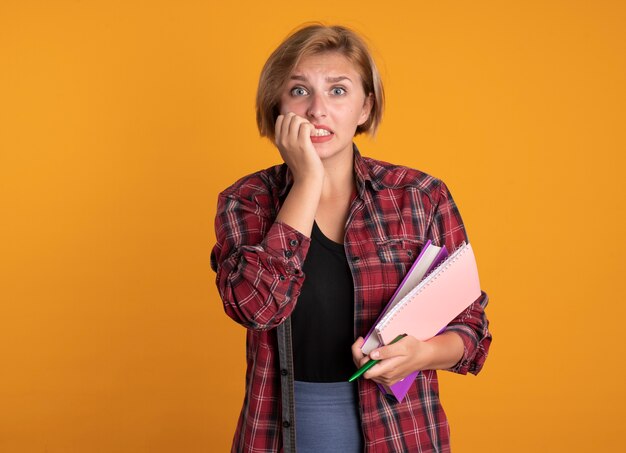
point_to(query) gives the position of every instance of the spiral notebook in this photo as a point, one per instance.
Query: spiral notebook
(436, 300)
(430, 257)
(428, 307)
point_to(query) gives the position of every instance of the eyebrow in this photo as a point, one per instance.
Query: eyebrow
(328, 79)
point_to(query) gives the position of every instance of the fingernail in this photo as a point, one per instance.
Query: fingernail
(375, 355)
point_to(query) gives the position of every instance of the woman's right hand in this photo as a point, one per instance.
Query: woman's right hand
(293, 139)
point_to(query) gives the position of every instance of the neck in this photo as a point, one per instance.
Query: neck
(339, 176)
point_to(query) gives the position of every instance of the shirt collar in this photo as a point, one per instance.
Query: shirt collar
(362, 173)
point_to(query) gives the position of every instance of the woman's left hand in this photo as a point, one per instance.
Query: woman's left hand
(397, 360)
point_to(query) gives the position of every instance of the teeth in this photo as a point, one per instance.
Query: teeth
(320, 133)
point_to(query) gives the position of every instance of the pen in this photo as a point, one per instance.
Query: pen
(371, 363)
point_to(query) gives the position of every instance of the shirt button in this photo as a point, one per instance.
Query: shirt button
(293, 243)
(356, 259)
(288, 253)
(284, 372)
(282, 278)
(286, 424)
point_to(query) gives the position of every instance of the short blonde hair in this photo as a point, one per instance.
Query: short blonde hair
(312, 40)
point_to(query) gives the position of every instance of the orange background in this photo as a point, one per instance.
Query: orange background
(120, 121)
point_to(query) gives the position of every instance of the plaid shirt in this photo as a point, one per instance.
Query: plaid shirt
(259, 276)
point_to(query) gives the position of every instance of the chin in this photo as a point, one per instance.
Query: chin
(327, 151)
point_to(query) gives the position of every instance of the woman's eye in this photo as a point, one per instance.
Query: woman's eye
(298, 91)
(338, 91)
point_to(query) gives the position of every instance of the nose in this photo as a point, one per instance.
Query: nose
(317, 106)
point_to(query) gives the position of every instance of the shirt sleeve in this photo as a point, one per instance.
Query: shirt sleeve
(472, 324)
(258, 263)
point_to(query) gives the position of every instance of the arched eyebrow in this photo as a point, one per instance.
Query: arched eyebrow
(328, 79)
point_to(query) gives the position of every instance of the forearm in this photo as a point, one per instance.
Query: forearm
(446, 350)
(300, 206)
(258, 283)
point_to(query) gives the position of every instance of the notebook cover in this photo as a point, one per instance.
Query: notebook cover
(400, 388)
(437, 300)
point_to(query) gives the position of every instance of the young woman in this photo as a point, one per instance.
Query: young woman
(309, 252)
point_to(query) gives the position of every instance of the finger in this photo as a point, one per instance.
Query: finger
(304, 134)
(363, 360)
(285, 126)
(357, 354)
(294, 128)
(278, 126)
(357, 345)
(388, 351)
(305, 129)
(383, 380)
(384, 370)
(281, 132)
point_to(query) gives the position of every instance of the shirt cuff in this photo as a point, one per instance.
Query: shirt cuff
(288, 245)
(467, 363)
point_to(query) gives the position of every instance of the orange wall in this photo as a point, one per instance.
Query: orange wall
(120, 121)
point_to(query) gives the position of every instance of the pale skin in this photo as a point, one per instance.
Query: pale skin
(326, 91)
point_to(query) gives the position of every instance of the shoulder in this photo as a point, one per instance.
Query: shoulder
(385, 175)
(269, 181)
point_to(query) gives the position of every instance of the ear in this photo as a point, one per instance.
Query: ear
(367, 108)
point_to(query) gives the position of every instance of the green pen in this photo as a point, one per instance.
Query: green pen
(371, 363)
